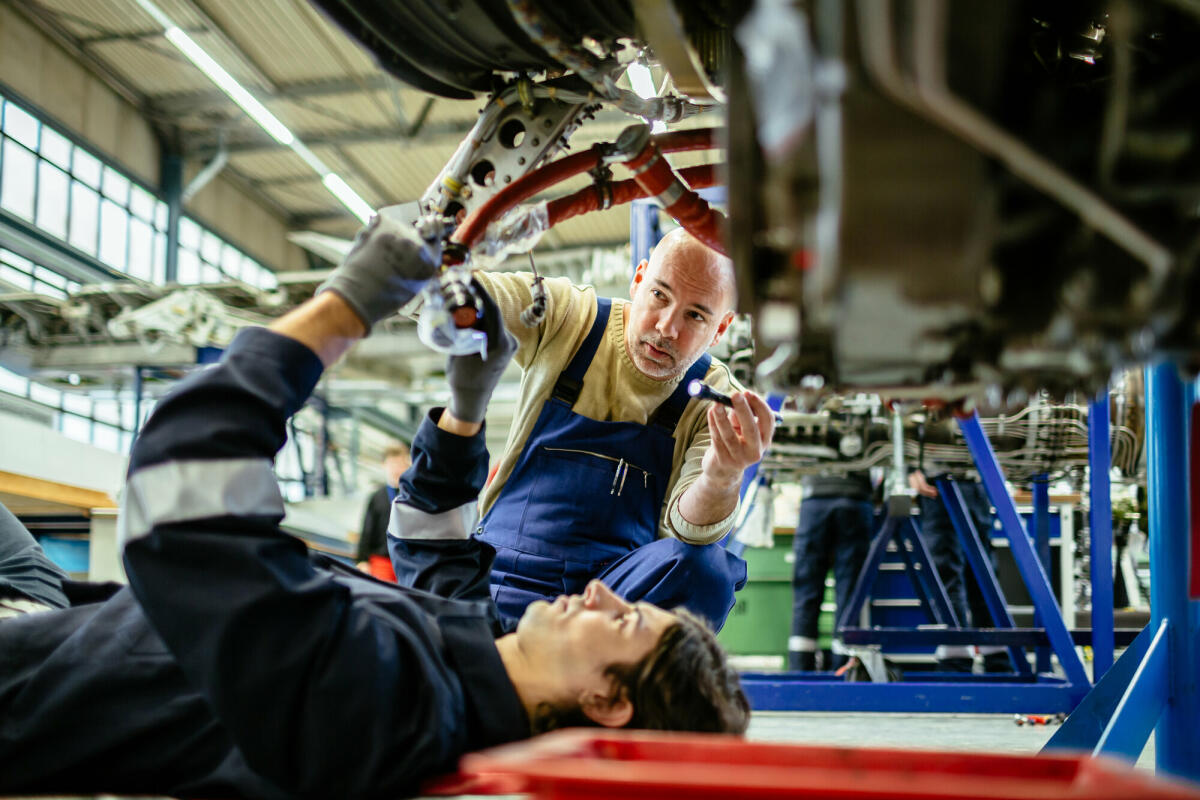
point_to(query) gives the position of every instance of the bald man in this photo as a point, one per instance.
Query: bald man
(609, 472)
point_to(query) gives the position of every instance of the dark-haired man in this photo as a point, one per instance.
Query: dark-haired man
(239, 664)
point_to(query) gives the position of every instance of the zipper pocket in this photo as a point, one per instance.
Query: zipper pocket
(619, 476)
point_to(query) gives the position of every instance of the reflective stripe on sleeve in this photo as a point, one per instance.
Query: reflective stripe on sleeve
(407, 522)
(802, 644)
(179, 491)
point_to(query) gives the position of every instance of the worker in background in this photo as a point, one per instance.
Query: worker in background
(237, 663)
(372, 553)
(945, 548)
(834, 532)
(608, 471)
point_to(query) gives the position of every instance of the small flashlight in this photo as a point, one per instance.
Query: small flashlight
(700, 389)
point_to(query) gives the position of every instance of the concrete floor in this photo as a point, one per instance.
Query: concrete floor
(987, 733)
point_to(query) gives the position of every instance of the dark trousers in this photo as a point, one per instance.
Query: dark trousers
(942, 542)
(25, 570)
(833, 533)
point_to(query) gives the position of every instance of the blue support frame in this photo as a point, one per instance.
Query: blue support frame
(930, 590)
(1027, 561)
(1160, 685)
(1100, 523)
(1141, 706)
(981, 565)
(944, 692)
(1168, 407)
(1041, 539)
(791, 692)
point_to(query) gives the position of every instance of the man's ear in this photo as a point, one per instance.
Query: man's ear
(610, 711)
(638, 274)
(721, 328)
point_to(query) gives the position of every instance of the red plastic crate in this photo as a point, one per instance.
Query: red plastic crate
(587, 763)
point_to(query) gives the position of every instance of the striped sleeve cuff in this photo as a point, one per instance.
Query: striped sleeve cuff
(412, 523)
(182, 491)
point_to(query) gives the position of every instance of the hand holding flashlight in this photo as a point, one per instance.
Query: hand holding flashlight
(699, 389)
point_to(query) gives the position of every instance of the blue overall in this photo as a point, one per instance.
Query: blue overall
(583, 502)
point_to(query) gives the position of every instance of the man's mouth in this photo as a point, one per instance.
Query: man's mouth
(658, 354)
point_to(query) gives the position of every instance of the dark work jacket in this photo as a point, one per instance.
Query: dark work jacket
(372, 539)
(853, 485)
(237, 663)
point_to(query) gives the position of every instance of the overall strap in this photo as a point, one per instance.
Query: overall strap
(570, 381)
(667, 415)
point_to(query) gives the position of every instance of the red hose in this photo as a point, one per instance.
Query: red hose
(659, 180)
(591, 198)
(473, 227)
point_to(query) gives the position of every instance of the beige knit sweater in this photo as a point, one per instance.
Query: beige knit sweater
(614, 390)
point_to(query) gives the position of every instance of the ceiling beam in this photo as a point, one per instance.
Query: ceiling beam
(248, 141)
(204, 143)
(131, 36)
(257, 73)
(181, 103)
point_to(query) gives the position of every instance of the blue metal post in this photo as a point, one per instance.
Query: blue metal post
(644, 231)
(866, 576)
(1100, 522)
(924, 574)
(1143, 702)
(1041, 540)
(1022, 549)
(171, 183)
(1177, 748)
(985, 576)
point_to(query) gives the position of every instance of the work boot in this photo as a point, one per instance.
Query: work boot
(997, 663)
(957, 664)
(802, 662)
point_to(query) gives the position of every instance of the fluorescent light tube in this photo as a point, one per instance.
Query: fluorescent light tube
(348, 197)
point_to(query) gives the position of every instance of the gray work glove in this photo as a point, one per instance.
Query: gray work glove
(472, 378)
(388, 265)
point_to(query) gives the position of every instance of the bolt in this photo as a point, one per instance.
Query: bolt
(508, 178)
(521, 161)
(535, 142)
(548, 123)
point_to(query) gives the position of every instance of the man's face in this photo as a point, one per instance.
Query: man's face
(681, 301)
(575, 638)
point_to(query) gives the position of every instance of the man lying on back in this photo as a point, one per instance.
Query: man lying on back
(237, 663)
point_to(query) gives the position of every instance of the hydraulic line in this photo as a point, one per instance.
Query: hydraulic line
(472, 229)
(599, 197)
(660, 181)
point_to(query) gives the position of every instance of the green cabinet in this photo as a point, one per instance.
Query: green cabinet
(761, 620)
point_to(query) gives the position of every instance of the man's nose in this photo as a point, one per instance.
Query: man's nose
(667, 327)
(599, 596)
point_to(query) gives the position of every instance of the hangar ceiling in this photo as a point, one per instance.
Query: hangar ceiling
(387, 140)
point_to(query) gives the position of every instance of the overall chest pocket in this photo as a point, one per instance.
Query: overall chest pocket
(581, 498)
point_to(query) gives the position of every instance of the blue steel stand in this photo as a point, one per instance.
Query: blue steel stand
(1153, 686)
(947, 692)
(981, 565)
(1041, 542)
(1028, 563)
(899, 527)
